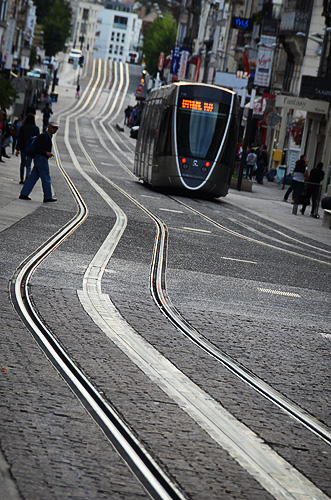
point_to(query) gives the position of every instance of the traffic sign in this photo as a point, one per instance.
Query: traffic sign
(140, 89)
(272, 120)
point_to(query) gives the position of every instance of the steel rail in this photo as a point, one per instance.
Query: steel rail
(159, 294)
(147, 471)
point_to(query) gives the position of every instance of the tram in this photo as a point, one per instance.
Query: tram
(187, 138)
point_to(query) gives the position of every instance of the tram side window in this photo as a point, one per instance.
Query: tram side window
(230, 148)
(154, 124)
(163, 146)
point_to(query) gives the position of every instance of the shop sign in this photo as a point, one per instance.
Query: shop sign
(315, 87)
(302, 104)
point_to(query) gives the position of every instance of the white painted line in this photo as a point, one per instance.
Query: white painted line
(276, 475)
(104, 163)
(196, 230)
(170, 210)
(240, 260)
(278, 292)
(150, 196)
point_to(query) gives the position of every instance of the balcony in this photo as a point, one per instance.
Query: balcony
(294, 21)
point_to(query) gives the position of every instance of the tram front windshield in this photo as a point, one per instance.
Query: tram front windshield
(200, 127)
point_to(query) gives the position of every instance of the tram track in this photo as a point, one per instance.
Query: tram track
(157, 286)
(158, 291)
(159, 294)
(151, 476)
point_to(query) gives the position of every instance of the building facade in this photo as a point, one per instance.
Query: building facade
(119, 33)
(85, 26)
(17, 23)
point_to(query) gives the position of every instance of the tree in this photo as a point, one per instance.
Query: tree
(160, 37)
(55, 17)
(7, 93)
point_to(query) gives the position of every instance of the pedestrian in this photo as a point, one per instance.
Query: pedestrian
(47, 113)
(77, 90)
(250, 162)
(43, 152)
(127, 113)
(5, 135)
(14, 131)
(296, 176)
(261, 163)
(313, 189)
(134, 117)
(299, 176)
(27, 130)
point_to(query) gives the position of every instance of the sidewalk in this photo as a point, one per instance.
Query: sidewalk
(267, 201)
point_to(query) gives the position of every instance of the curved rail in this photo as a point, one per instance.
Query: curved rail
(151, 476)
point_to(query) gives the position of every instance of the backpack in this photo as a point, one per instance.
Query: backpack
(30, 146)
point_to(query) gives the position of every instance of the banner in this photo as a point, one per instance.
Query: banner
(179, 58)
(266, 51)
(263, 67)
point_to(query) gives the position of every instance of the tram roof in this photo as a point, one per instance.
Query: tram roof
(173, 85)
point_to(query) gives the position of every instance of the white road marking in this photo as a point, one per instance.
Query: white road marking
(276, 475)
(240, 260)
(278, 292)
(171, 210)
(196, 230)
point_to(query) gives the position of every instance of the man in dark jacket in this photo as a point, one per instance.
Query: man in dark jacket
(43, 152)
(313, 189)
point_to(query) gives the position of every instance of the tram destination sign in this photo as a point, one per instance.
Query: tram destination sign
(197, 105)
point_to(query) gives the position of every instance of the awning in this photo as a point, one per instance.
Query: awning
(194, 59)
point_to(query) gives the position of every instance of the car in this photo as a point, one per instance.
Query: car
(74, 54)
(35, 73)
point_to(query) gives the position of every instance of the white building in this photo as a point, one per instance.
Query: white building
(119, 32)
(85, 23)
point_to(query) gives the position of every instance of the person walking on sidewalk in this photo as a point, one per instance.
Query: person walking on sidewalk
(250, 162)
(298, 178)
(43, 152)
(27, 130)
(47, 112)
(262, 163)
(313, 189)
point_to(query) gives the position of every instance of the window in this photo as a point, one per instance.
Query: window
(110, 49)
(190, 123)
(3, 10)
(85, 14)
(112, 36)
(120, 22)
(123, 37)
(163, 146)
